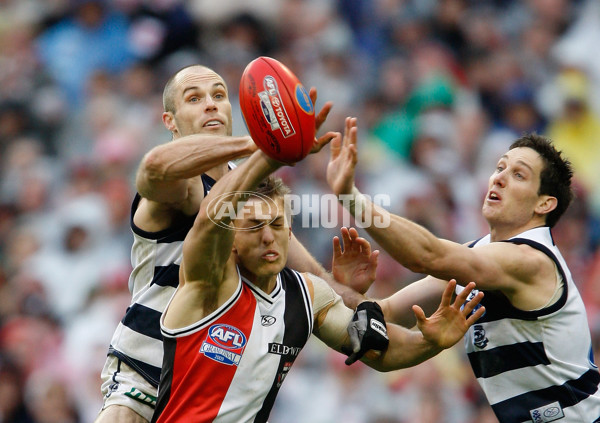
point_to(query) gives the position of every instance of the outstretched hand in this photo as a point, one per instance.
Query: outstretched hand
(320, 118)
(340, 170)
(356, 265)
(449, 323)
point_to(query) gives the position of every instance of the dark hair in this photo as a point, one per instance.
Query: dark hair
(555, 177)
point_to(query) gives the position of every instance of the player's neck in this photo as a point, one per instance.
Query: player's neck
(501, 232)
(264, 283)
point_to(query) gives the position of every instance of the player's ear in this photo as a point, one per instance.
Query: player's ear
(169, 121)
(546, 204)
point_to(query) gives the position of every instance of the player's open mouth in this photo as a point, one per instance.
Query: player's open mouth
(270, 256)
(493, 196)
(213, 123)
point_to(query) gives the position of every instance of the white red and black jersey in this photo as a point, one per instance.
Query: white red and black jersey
(536, 366)
(229, 366)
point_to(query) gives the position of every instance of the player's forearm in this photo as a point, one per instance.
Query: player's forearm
(190, 156)
(425, 293)
(234, 187)
(407, 348)
(210, 240)
(410, 244)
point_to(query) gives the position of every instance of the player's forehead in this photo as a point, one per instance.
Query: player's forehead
(525, 156)
(264, 204)
(263, 208)
(198, 76)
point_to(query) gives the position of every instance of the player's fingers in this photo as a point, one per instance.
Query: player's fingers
(353, 232)
(336, 146)
(322, 141)
(447, 295)
(352, 154)
(470, 305)
(346, 239)
(464, 294)
(419, 313)
(312, 93)
(365, 246)
(352, 130)
(337, 248)
(321, 117)
(475, 316)
(346, 131)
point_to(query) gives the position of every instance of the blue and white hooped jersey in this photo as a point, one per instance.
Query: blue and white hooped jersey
(155, 257)
(536, 366)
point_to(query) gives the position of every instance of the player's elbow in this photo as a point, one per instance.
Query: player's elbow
(153, 167)
(428, 262)
(420, 264)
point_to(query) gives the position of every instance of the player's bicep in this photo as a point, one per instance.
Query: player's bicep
(485, 265)
(500, 266)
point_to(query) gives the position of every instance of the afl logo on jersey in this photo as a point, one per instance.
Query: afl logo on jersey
(224, 343)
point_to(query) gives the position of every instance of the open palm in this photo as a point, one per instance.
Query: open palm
(449, 323)
(354, 266)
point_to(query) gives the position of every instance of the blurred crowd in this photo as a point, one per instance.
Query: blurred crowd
(440, 88)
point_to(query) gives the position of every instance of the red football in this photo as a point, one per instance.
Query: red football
(277, 109)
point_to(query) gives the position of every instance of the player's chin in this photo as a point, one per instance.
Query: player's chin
(269, 268)
(214, 130)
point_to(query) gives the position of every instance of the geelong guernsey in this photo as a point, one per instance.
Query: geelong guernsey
(536, 366)
(155, 257)
(229, 366)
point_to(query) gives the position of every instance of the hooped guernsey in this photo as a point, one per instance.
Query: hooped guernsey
(155, 257)
(536, 366)
(229, 366)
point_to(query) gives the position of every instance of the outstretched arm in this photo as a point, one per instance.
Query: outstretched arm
(406, 348)
(441, 330)
(498, 265)
(163, 173)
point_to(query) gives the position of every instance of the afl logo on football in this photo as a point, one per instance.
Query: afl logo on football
(303, 100)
